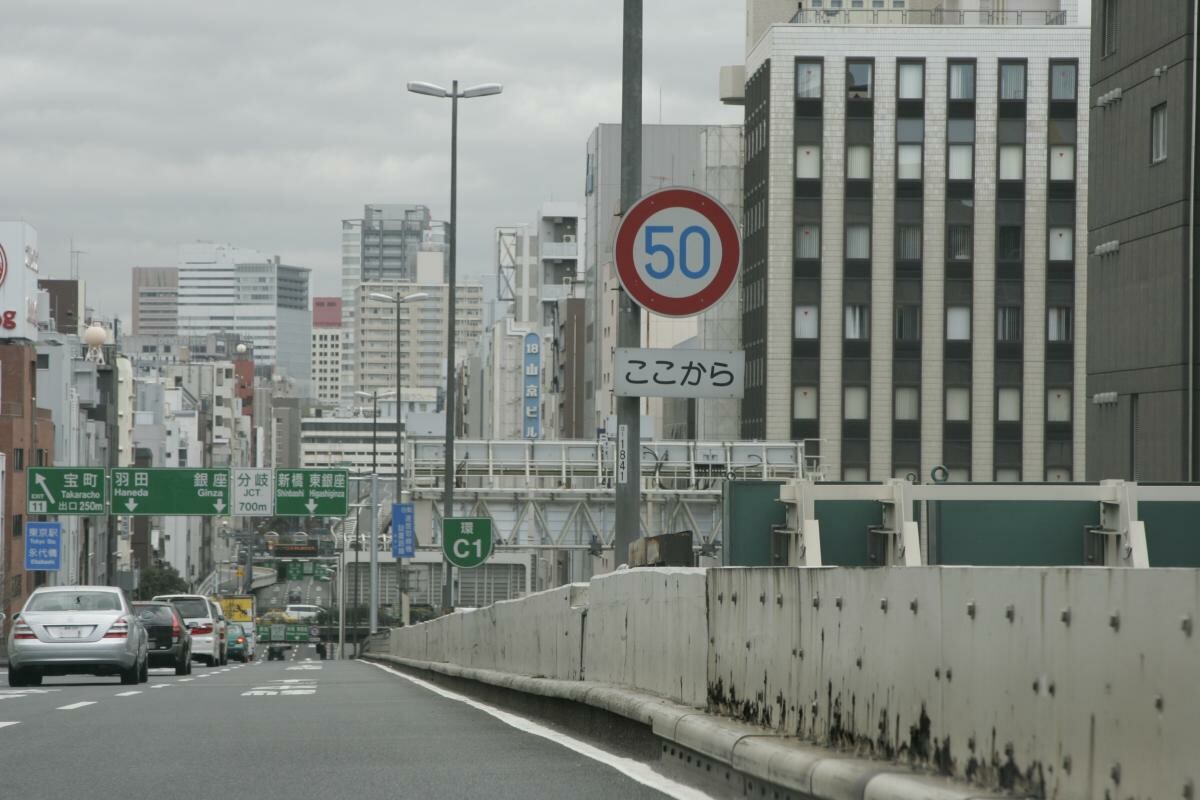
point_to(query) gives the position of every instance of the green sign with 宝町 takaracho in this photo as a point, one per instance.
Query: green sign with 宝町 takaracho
(311, 492)
(65, 490)
(169, 492)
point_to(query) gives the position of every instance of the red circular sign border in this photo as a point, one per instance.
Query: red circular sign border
(727, 270)
(3, 265)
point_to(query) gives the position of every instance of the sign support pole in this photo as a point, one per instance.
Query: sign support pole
(629, 317)
(373, 614)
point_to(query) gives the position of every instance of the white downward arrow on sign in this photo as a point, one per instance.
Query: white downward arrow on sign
(131, 504)
(311, 505)
(220, 505)
(41, 481)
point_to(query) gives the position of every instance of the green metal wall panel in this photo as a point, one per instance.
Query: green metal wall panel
(844, 525)
(1172, 533)
(751, 508)
(1010, 533)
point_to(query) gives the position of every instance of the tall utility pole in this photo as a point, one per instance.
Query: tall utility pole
(448, 495)
(399, 615)
(629, 316)
(373, 613)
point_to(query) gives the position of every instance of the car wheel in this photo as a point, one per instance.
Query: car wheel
(33, 679)
(16, 677)
(184, 668)
(144, 674)
(129, 677)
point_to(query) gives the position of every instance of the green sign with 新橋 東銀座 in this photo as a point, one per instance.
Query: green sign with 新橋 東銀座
(311, 492)
(60, 491)
(169, 492)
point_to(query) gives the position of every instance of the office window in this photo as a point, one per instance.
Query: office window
(958, 404)
(1008, 324)
(858, 79)
(1012, 162)
(962, 162)
(858, 241)
(855, 405)
(1010, 243)
(807, 322)
(808, 241)
(1012, 81)
(1158, 133)
(1062, 244)
(908, 242)
(908, 403)
(1062, 162)
(1058, 475)
(808, 161)
(908, 323)
(858, 323)
(1008, 475)
(958, 323)
(908, 162)
(1062, 81)
(962, 81)
(910, 81)
(804, 402)
(18, 459)
(1008, 404)
(854, 474)
(961, 243)
(808, 79)
(1058, 405)
(1108, 27)
(1059, 322)
(858, 162)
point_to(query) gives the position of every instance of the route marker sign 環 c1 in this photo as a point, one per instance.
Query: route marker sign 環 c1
(60, 491)
(677, 251)
(467, 541)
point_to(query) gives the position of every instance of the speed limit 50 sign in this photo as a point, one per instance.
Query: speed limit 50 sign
(677, 252)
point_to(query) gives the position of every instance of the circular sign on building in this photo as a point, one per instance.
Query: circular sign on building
(677, 252)
(3, 265)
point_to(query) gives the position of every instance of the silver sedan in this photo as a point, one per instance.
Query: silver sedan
(71, 630)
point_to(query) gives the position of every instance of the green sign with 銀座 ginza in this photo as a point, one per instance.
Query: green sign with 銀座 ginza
(169, 492)
(311, 492)
(65, 490)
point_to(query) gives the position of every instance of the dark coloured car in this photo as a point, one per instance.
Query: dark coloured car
(238, 648)
(170, 644)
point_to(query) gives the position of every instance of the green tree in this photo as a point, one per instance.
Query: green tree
(160, 580)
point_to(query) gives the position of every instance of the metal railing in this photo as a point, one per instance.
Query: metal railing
(935, 16)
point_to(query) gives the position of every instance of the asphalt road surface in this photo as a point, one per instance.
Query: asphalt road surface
(295, 729)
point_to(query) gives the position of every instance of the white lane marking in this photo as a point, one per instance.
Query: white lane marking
(160, 686)
(125, 694)
(74, 706)
(636, 770)
(6, 724)
(185, 680)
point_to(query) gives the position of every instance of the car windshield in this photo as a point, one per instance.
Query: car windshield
(74, 601)
(192, 608)
(236, 630)
(155, 615)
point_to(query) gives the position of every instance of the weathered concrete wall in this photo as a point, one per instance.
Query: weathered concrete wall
(1060, 682)
(1041, 680)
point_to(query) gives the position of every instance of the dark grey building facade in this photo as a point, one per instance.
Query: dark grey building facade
(1143, 315)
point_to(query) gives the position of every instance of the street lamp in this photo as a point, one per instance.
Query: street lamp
(433, 90)
(374, 553)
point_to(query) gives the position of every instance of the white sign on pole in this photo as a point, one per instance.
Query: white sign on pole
(253, 492)
(622, 454)
(645, 372)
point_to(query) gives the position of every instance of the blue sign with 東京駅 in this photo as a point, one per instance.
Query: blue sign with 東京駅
(531, 420)
(404, 531)
(43, 546)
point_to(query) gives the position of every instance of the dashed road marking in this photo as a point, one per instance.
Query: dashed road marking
(6, 724)
(125, 694)
(74, 706)
(185, 680)
(160, 686)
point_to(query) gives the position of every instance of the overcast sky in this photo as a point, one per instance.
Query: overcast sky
(133, 126)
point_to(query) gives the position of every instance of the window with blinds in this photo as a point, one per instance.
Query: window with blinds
(960, 242)
(1062, 81)
(808, 241)
(804, 402)
(1059, 321)
(908, 323)
(1008, 324)
(907, 403)
(1058, 405)
(808, 161)
(806, 323)
(910, 81)
(962, 81)
(1062, 244)
(1012, 81)
(908, 162)
(1062, 162)
(858, 322)
(908, 242)
(961, 162)
(858, 241)
(858, 162)
(808, 79)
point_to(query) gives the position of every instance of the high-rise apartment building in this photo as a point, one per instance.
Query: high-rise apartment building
(1142, 293)
(156, 301)
(914, 267)
(422, 357)
(328, 336)
(705, 157)
(225, 289)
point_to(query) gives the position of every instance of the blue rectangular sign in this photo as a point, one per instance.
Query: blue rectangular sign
(531, 422)
(404, 531)
(43, 546)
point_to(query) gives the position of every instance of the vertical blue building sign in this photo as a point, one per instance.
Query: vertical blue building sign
(531, 421)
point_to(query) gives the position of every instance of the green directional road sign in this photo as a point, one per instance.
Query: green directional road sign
(295, 571)
(169, 492)
(467, 541)
(65, 490)
(311, 492)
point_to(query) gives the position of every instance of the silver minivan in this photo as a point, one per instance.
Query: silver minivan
(73, 630)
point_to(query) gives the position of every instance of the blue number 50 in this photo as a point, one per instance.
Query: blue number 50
(652, 248)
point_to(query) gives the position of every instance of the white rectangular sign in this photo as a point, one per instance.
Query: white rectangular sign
(644, 372)
(622, 454)
(18, 281)
(253, 492)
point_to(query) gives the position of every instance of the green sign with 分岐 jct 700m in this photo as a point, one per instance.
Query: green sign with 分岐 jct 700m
(169, 492)
(65, 490)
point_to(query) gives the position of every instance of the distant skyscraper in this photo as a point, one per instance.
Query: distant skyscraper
(156, 301)
(234, 290)
(328, 336)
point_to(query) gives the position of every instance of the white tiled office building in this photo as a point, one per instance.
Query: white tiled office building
(914, 274)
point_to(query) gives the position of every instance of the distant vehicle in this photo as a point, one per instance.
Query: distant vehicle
(239, 646)
(303, 611)
(201, 622)
(222, 630)
(89, 630)
(170, 644)
(241, 608)
(294, 596)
